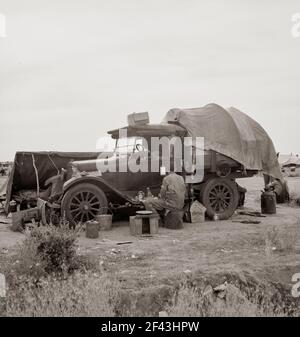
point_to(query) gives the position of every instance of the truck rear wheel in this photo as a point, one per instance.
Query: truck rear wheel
(220, 196)
(82, 203)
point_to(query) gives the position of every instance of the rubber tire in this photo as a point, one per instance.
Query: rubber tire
(86, 187)
(204, 197)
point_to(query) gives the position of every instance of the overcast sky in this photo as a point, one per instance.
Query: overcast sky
(71, 70)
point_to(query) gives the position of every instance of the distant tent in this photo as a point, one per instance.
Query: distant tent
(292, 161)
(283, 158)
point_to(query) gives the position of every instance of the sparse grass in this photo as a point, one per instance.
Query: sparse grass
(192, 302)
(49, 278)
(269, 248)
(281, 239)
(295, 198)
(89, 293)
(81, 294)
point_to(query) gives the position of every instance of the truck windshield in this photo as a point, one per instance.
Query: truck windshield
(129, 145)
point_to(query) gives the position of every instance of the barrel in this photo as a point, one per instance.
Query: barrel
(268, 202)
(105, 221)
(92, 229)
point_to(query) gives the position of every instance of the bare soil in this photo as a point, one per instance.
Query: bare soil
(212, 248)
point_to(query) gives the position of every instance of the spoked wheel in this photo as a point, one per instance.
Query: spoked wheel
(82, 203)
(220, 196)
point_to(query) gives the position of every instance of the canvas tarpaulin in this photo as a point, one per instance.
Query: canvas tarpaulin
(231, 133)
(23, 176)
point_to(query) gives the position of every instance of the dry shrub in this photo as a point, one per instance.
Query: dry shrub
(295, 198)
(83, 294)
(47, 250)
(191, 302)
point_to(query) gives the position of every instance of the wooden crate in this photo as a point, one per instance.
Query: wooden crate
(139, 118)
(144, 224)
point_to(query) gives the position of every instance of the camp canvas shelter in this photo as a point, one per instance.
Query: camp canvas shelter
(291, 167)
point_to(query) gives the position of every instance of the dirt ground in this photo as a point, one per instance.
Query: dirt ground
(206, 248)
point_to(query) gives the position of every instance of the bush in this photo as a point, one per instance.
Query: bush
(47, 250)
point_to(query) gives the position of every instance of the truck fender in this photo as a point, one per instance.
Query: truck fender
(115, 194)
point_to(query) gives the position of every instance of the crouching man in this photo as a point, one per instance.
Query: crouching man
(171, 197)
(281, 190)
(280, 187)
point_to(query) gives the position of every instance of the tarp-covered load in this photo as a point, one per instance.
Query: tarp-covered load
(231, 133)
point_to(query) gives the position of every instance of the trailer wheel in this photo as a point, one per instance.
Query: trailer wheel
(82, 203)
(220, 196)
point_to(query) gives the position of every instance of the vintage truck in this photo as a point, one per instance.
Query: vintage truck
(235, 146)
(91, 192)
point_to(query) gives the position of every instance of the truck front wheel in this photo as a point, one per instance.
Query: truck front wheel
(82, 203)
(220, 196)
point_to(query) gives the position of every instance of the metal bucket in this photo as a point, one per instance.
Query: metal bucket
(92, 229)
(104, 221)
